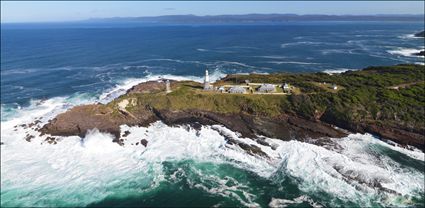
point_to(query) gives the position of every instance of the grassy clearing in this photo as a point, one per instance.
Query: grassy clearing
(361, 96)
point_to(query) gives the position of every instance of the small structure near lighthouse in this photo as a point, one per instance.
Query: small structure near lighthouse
(167, 86)
(207, 85)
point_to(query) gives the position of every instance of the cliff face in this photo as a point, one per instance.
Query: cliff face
(385, 101)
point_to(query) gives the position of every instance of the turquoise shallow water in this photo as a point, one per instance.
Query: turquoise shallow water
(189, 183)
(241, 186)
(46, 71)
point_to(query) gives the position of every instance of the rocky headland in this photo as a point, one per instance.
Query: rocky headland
(385, 101)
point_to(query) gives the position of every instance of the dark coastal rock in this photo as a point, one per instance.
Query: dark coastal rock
(51, 140)
(29, 137)
(144, 142)
(126, 133)
(77, 121)
(421, 53)
(284, 127)
(264, 143)
(401, 136)
(355, 178)
(252, 150)
(420, 34)
(413, 137)
(34, 123)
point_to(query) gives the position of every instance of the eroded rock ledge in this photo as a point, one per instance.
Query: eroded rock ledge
(79, 120)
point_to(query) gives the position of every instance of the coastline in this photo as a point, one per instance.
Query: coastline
(239, 113)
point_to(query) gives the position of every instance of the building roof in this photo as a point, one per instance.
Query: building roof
(267, 88)
(237, 89)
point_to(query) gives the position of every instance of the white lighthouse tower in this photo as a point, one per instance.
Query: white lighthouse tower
(207, 85)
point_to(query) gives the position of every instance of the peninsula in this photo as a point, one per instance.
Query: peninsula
(386, 101)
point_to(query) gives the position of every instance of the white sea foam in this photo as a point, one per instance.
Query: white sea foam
(337, 51)
(409, 36)
(337, 71)
(310, 43)
(202, 50)
(293, 62)
(276, 202)
(409, 52)
(351, 174)
(80, 166)
(235, 63)
(272, 57)
(86, 170)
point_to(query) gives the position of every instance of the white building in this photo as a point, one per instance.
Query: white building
(286, 87)
(237, 90)
(267, 88)
(222, 89)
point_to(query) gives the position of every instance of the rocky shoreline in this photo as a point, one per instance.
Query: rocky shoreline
(77, 122)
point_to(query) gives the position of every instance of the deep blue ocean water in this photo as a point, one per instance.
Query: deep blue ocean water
(43, 61)
(48, 68)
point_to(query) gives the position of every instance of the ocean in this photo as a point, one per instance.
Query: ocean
(49, 68)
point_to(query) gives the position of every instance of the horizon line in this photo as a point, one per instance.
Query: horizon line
(123, 17)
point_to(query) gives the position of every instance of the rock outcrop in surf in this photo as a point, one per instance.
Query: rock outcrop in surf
(420, 34)
(421, 53)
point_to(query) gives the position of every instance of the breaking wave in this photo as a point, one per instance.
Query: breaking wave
(409, 52)
(337, 71)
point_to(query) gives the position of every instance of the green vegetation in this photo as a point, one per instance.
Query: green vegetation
(369, 95)
(188, 95)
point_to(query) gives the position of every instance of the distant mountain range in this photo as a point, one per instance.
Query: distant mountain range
(255, 18)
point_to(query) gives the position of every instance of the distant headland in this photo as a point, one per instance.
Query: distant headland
(254, 18)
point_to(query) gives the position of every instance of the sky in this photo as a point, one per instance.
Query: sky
(57, 11)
